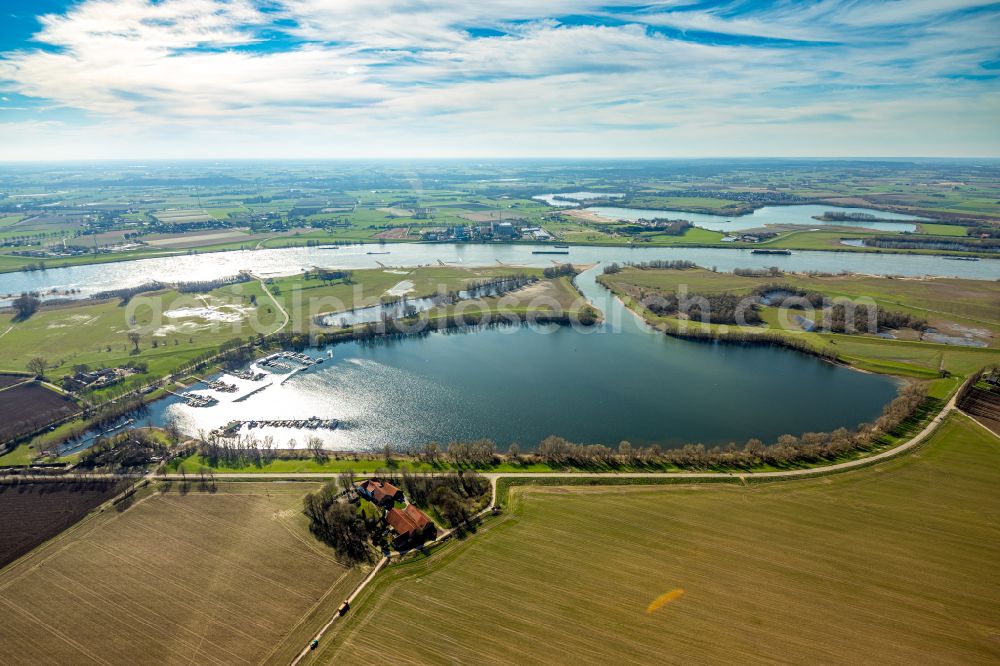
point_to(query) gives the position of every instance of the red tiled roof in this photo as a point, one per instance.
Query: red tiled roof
(408, 521)
(380, 490)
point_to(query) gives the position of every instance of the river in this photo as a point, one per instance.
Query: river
(93, 278)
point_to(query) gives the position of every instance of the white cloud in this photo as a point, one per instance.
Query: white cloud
(407, 75)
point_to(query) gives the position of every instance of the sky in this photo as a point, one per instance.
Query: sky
(212, 79)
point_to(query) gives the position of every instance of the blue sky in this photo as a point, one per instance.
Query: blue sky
(130, 79)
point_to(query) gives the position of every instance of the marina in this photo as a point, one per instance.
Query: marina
(233, 428)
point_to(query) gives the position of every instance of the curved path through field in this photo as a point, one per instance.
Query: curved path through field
(274, 300)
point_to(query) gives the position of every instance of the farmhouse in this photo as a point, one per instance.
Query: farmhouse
(381, 493)
(411, 525)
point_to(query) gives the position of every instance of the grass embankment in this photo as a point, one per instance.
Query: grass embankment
(183, 577)
(952, 306)
(885, 564)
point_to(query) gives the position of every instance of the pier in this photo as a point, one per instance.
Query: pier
(275, 360)
(194, 400)
(232, 428)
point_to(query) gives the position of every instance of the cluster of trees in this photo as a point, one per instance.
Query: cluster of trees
(337, 522)
(787, 449)
(989, 245)
(328, 276)
(983, 230)
(237, 451)
(721, 308)
(129, 450)
(497, 286)
(558, 451)
(474, 454)
(772, 271)
(209, 285)
(25, 305)
(855, 318)
(126, 294)
(785, 295)
(455, 495)
(655, 264)
(559, 271)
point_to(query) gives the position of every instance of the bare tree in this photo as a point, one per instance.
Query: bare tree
(134, 337)
(315, 445)
(38, 365)
(345, 480)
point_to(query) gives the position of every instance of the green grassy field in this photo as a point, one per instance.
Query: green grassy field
(890, 564)
(94, 333)
(231, 576)
(306, 298)
(942, 229)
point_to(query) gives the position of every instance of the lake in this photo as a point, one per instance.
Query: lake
(620, 381)
(566, 199)
(798, 215)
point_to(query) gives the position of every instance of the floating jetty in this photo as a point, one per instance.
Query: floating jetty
(248, 375)
(216, 385)
(253, 392)
(550, 252)
(232, 428)
(961, 258)
(275, 360)
(770, 251)
(194, 400)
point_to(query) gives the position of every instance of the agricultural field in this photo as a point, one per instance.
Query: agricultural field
(183, 216)
(941, 229)
(229, 575)
(197, 238)
(7, 381)
(26, 407)
(32, 513)
(890, 564)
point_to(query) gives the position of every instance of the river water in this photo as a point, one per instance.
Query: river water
(90, 279)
